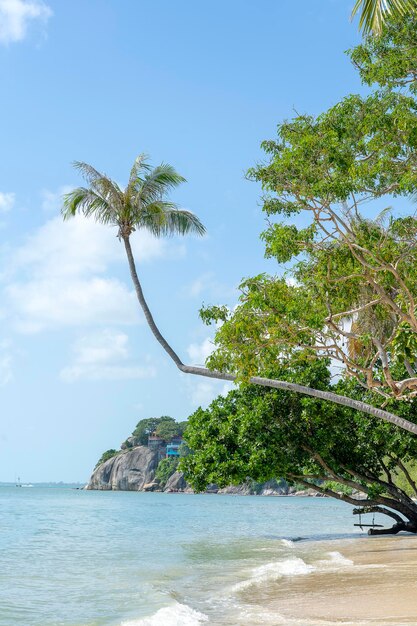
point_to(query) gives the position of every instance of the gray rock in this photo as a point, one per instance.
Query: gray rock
(154, 486)
(176, 482)
(128, 471)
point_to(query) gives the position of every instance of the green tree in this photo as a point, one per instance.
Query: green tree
(391, 59)
(167, 428)
(348, 284)
(109, 454)
(182, 427)
(375, 13)
(143, 429)
(258, 433)
(164, 426)
(166, 468)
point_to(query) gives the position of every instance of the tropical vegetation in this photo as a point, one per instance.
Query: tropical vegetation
(165, 427)
(166, 468)
(347, 285)
(108, 454)
(259, 433)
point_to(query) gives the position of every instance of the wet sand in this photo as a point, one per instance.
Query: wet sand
(369, 581)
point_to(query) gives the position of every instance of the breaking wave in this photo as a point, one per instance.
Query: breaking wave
(175, 615)
(275, 570)
(295, 566)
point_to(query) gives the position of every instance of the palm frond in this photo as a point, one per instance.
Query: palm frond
(381, 219)
(137, 174)
(88, 203)
(139, 165)
(141, 205)
(87, 171)
(102, 184)
(158, 183)
(375, 12)
(165, 219)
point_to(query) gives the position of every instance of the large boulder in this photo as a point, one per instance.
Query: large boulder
(176, 482)
(128, 471)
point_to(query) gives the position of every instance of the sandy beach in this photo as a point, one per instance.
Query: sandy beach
(366, 581)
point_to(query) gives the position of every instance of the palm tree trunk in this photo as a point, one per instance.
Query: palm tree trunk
(256, 380)
(148, 315)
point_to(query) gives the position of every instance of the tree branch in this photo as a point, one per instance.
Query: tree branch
(256, 380)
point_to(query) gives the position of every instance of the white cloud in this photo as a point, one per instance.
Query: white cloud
(7, 200)
(55, 279)
(16, 16)
(202, 392)
(55, 302)
(104, 355)
(199, 352)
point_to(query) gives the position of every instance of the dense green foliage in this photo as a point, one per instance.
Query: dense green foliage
(144, 428)
(391, 59)
(106, 456)
(348, 283)
(165, 427)
(259, 433)
(165, 469)
(347, 291)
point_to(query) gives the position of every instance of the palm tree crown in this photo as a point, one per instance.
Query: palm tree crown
(375, 12)
(142, 204)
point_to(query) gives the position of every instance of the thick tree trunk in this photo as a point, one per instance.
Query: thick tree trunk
(409, 527)
(256, 380)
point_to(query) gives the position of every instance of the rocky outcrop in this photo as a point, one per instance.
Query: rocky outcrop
(133, 469)
(176, 482)
(270, 488)
(127, 471)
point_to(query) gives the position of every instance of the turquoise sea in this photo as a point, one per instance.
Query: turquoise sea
(84, 558)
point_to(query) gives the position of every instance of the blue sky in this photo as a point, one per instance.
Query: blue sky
(195, 84)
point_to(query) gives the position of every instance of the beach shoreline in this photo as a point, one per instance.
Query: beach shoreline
(359, 582)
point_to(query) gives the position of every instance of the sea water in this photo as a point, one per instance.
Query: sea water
(92, 558)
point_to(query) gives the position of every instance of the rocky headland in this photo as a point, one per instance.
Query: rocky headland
(134, 469)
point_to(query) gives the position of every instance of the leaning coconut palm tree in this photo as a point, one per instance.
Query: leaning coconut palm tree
(143, 205)
(374, 13)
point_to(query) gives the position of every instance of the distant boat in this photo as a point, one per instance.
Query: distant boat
(18, 483)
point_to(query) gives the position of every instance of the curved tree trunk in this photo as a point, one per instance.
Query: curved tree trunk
(408, 527)
(256, 380)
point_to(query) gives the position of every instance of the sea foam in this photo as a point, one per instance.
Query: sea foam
(175, 615)
(275, 570)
